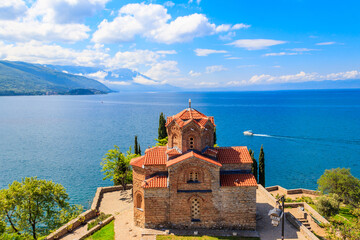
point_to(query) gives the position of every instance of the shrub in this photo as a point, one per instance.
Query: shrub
(99, 219)
(328, 205)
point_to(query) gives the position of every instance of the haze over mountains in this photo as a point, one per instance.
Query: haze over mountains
(20, 78)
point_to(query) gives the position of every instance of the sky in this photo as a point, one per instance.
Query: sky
(199, 44)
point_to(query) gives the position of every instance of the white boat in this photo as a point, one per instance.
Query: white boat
(248, 133)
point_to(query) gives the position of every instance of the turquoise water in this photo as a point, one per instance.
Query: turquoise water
(63, 138)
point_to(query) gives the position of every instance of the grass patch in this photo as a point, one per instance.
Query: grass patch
(167, 237)
(95, 222)
(105, 233)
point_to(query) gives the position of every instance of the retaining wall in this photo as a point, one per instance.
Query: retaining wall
(285, 191)
(309, 209)
(299, 226)
(89, 214)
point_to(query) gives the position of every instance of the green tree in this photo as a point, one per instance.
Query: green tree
(162, 129)
(33, 207)
(328, 205)
(136, 148)
(116, 166)
(254, 165)
(262, 167)
(162, 142)
(341, 182)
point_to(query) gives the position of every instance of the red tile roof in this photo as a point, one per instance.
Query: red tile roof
(138, 161)
(189, 155)
(188, 115)
(155, 182)
(233, 155)
(237, 180)
(172, 152)
(155, 156)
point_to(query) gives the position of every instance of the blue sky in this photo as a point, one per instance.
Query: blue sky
(191, 44)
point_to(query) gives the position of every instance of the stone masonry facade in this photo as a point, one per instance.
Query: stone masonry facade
(190, 183)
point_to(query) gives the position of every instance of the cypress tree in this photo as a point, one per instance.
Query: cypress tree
(254, 166)
(136, 148)
(262, 167)
(162, 129)
(139, 150)
(214, 135)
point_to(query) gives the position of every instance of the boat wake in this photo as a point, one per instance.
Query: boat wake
(344, 141)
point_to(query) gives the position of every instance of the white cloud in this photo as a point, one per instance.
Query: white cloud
(169, 4)
(325, 43)
(35, 30)
(303, 49)
(66, 11)
(133, 59)
(255, 44)
(152, 21)
(99, 75)
(163, 71)
(133, 19)
(183, 29)
(240, 26)
(120, 83)
(215, 68)
(141, 80)
(38, 52)
(206, 52)
(233, 58)
(12, 9)
(303, 77)
(228, 36)
(223, 28)
(280, 54)
(194, 74)
(47, 20)
(166, 52)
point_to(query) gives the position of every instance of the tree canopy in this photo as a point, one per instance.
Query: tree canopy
(116, 166)
(341, 182)
(33, 207)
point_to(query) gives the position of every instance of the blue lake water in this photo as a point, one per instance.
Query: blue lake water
(63, 138)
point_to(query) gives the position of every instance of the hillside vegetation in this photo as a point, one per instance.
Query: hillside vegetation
(20, 78)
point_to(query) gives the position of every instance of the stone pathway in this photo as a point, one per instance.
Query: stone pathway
(264, 227)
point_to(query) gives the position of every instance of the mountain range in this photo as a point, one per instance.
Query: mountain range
(20, 78)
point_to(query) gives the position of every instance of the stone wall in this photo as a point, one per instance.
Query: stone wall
(156, 207)
(238, 207)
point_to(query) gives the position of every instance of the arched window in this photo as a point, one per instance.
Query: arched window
(195, 209)
(174, 140)
(191, 143)
(193, 177)
(138, 201)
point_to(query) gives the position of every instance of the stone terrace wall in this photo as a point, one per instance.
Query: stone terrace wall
(89, 214)
(284, 191)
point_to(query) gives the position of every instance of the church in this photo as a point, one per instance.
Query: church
(190, 183)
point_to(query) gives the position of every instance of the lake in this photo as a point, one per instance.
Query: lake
(63, 138)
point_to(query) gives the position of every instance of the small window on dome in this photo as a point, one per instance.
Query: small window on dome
(191, 143)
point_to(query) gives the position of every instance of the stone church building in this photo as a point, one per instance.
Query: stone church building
(190, 183)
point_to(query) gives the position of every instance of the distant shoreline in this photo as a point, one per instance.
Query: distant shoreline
(53, 93)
